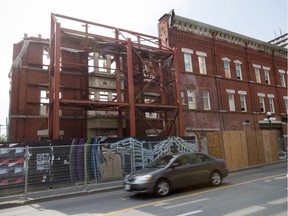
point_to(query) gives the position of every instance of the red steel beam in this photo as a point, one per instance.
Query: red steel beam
(89, 102)
(178, 96)
(118, 90)
(131, 88)
(56, 101)
(51, 77)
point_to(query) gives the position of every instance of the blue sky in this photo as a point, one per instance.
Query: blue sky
(259, 19)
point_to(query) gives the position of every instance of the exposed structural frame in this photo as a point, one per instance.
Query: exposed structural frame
(140, 58)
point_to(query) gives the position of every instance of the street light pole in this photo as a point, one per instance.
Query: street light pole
(269, 118)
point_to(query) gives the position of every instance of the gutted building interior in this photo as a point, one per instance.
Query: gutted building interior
(123, 82)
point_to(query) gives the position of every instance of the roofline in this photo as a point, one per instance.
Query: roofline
(221, 30)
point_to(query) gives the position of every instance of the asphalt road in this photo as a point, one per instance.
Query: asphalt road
(260, 191)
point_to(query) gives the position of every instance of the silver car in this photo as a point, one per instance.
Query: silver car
(176, 171)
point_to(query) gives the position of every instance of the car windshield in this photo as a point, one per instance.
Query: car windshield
(160, 162)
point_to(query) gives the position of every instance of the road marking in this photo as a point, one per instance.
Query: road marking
(278, 201)
(247, 211)
(161, 204)
(186, 203)
(190, 195)
(190, 213)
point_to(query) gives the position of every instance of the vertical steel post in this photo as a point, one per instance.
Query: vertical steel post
(85, 166)
(131, 88)
(178, 96)
(118, 90)
(51, 77)
(26, 170)
(56, 102)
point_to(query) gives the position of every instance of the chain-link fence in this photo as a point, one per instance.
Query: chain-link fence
(26, 168)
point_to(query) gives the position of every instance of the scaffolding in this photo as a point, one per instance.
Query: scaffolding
(144, 75)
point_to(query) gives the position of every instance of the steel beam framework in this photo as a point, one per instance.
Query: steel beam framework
(144, 63)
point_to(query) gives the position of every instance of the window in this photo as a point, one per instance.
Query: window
(282, 78)
(202, 62)
(286, 102)
(267, 75)
(231, 101)
(44, 102)
(206, 100)
(271, 104)
(92, 62)
(238, 70)
(183, 97)
(45, 59)
(257, 73)
(262, 103)
(243, 100)
(191, 96)
(187, 59)
(227, 68)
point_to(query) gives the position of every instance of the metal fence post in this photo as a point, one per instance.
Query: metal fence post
(85, 166)
(26, 170)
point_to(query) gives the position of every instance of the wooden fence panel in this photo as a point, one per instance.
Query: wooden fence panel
(255, 148)
(235, 149)
(243, 149)
(215, 146)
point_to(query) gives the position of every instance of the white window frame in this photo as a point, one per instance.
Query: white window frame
(262, 103)
(191, 98)
(271, 102)
(231, 101)
(267, 75)
(243, 103)
(202, 62)
(257, 73)
(238, 70)
(227, 69)
(187, 54)
(282, 78)
(206, 100)
(286, 102)
(271, 105)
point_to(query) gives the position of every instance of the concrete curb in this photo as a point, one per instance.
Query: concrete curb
(257, 166)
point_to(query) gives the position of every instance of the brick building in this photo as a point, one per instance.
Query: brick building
(224, 80)
(228, 81)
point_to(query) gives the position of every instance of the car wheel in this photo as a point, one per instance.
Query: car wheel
(215, 179)
(162, 188)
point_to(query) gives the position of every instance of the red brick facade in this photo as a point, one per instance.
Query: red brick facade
(218, 45)
(204, 90)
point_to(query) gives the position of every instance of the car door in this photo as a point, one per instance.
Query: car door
(179, 174)
(202, 168)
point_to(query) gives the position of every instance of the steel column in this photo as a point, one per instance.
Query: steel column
(131, 88)
(56, 101)
(118, 91)
(178, 96)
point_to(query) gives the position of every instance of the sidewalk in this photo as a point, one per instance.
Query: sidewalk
(53, 194)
